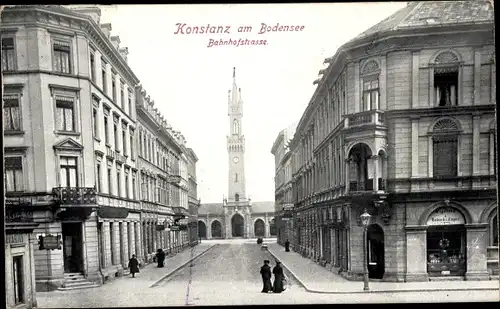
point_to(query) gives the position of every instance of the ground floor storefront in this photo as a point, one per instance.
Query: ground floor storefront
(19, 261)
(408, 238)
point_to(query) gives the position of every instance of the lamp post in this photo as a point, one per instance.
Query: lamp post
(365, 220)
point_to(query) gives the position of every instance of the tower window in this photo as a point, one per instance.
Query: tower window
(236, 127)
(237, 197)
(236, 177)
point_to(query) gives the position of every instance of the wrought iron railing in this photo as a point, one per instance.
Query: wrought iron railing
(13, 215)
(75, 195)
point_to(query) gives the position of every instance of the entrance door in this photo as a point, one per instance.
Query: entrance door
(72, 247)
(237, 224)
(259, 228)
(376, 258)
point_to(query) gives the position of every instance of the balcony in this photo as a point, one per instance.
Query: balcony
(367, 185)
(180, 211)
(372, 117)
(120, 158)
(75, 196)
(174, 179)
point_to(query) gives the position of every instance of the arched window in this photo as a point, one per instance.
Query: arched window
(371, 93)
(446, 79)
(494, 231)
(445, 148)
(236, 127)
(236, 177)
(237, 197)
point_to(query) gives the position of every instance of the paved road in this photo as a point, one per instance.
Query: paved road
(228, 274)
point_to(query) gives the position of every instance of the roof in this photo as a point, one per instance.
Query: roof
(434, 13)
(211, 208)
(217, 208)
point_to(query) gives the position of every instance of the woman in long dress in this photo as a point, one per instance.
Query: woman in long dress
(278, 278)
(265, 271)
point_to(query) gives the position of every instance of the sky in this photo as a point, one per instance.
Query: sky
(189, 81)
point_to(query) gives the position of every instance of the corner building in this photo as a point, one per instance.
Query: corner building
(402, 124)
(70, 142)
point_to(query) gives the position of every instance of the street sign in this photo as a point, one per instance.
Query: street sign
(287, 207)
(285, 219)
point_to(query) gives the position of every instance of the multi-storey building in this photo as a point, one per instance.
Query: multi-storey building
(236, 216)
(193, 200)
(402, 125)
(70, 141)
(283, 185)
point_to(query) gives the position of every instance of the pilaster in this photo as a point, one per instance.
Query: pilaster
(416, 261)
(415, 79)
(476, 252)
(476, 149)
(124, 244)
(107, 244)
(477, 77)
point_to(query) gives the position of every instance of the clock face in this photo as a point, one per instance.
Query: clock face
(235, 159)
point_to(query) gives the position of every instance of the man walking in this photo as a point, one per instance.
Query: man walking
(265, 271)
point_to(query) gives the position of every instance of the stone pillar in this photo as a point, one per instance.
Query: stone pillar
(476, 149)
(131, 239)
(347, 174)
(477, 78)
(476, 252)
(321, 255)
(138, 239)
(107, 243)
(415, 80)
(416, 252)
(31, 239)
(357, 105)
(124, 244)
(492, 152)
(116, 243)
(376, 171)
(414, 147)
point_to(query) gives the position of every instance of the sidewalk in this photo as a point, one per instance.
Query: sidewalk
(151, 274)
(317, 279)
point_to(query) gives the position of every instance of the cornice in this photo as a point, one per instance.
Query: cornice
(78, 23)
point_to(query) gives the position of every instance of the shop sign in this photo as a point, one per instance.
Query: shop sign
(182, 222)
(50, 242)
(446, 216)
(112, 212)
(287, 207)
(14, 238)
(175, 228)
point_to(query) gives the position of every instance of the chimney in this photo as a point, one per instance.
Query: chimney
(115, 40)
(92, 12)
(124, 53)
(106, 28)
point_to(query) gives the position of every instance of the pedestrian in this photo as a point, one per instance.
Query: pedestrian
(160, 257)
(279, 277)
(133, 265)
(287, 246)
(265, 271)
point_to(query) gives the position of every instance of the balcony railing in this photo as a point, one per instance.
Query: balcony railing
(75, 196)
(355, 186)
(363, 118)
(13, 215)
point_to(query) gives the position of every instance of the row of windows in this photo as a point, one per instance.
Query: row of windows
(61, 63)
(445, 82)
(114, 186)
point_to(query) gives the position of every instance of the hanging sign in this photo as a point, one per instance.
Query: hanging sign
(446, 216)
(174, 228)
(287, 207)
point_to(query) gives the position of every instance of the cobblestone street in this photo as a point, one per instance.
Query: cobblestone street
(227, 274)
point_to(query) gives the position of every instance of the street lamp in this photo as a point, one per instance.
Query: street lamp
(365, 220)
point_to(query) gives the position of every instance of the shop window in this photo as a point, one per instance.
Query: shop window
(18, 276)
(446, 250)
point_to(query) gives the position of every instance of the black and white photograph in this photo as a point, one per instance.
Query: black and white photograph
(161, 155)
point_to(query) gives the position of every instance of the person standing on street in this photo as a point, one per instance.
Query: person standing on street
(287, 246)
(160, 257)
(278, 278)
(265, 271)
(133, 265)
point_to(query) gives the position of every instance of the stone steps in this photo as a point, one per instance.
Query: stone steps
(447, 278)
(76, 281)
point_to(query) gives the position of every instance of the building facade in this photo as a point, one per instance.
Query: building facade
(70, 141)
(193, 200)
(283, 185)
(402, 125)
(236, 216)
